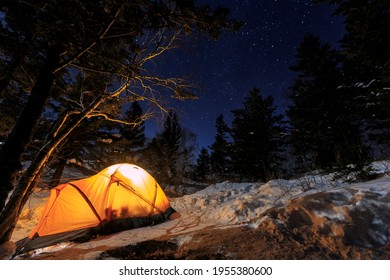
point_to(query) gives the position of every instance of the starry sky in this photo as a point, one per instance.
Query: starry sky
(258, 55)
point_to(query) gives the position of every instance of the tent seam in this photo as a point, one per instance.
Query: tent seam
(87, 200)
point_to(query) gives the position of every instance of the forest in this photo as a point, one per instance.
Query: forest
(83, 96)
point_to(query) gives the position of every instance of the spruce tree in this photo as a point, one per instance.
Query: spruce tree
(257, 137)
(165, 148)
(170, 155)
(366, 45)
(202, 167)
(134, 132)
(325, 132)
(171, 135)
(220, 158)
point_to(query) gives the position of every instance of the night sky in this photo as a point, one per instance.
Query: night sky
(258, 55)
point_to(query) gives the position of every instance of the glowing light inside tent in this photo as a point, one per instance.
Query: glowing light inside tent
(134, 173)
(85, 203)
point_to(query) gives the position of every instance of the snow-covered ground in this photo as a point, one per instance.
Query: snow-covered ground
(355, 214)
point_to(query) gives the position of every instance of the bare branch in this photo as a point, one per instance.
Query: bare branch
(151, 99)
(121, 89)
(62, 122)
(160, 47)
(131, 34)
(91, 69)
(177, 85)
(108, 118)
(90, 46)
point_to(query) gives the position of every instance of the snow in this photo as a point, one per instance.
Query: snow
(227, 204)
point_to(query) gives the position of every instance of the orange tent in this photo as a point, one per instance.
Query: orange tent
(120, 197)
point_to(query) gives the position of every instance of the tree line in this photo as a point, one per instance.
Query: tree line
(339, 118)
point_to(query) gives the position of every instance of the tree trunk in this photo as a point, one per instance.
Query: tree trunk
(55, 180)
(9, 216)
(16, 143)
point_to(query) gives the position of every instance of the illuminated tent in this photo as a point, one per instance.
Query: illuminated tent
(120, 197)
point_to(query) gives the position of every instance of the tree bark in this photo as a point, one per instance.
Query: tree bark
(9, 216)
(16, 143)
(55, 180)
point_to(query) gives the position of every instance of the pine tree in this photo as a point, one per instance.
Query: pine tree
(134, 134)
(220, 158)
(257, 137)
(366, 41)
(325, 132)
(366, 45)
(165, 149)
(171, 134)
(202, 167)
(170, 155)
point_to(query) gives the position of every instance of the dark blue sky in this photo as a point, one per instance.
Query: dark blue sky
(257, 56)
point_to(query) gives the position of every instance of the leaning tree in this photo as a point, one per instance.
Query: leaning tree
(82, 58)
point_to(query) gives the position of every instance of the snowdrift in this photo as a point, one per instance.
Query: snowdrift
(313, 217)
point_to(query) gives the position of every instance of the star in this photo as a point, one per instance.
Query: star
(257, 56)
